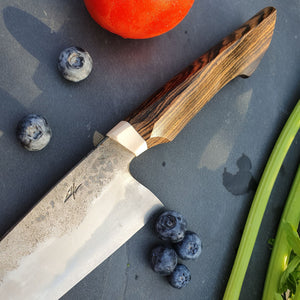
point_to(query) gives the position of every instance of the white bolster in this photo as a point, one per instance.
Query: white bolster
(125, 134)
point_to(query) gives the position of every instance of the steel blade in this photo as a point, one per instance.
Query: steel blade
(87, 216)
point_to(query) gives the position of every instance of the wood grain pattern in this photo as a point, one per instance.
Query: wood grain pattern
(161, 117)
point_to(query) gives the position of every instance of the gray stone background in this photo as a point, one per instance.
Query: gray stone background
(241, 121)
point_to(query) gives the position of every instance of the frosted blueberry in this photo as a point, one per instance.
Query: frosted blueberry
(75, 64)
(33, 132)
(180, 277)
(190, 247)
(163, 260)
(171, 226)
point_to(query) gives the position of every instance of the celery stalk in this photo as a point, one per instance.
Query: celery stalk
(259, 204)
(297, 295)
(282, 248)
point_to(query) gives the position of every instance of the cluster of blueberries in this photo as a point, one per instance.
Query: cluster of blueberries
(33, 131)
(171, 226)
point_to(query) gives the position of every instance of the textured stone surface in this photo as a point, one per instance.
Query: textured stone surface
(246, 117)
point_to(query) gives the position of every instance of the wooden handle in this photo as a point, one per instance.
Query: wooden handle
(161, 117)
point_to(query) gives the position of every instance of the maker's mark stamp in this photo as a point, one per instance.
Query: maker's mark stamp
(72, 192)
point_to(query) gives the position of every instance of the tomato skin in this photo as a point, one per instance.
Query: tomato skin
(138, 19)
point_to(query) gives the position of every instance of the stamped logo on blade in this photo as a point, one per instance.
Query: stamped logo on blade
(72, 192)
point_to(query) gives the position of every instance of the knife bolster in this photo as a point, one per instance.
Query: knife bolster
(127, 136)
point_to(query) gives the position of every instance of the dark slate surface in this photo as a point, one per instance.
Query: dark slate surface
(241, 123)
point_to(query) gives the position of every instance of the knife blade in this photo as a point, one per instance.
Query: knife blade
(98, 205)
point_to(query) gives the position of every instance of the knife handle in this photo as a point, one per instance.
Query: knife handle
(162, 116)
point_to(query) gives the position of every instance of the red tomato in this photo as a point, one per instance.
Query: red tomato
(138, 19)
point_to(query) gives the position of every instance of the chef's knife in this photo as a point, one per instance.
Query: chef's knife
(98, 206)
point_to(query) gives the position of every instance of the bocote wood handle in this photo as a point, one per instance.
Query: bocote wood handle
(161, 117)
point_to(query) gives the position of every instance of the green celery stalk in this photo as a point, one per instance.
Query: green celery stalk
(282, 248)
(297, 295)
(292, 236)
(259, 204)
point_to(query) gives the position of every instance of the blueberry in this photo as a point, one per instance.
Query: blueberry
(163, 260)
(75, 64)
(171, 226)
(190, 247)
(180, 277)
(33, 132)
